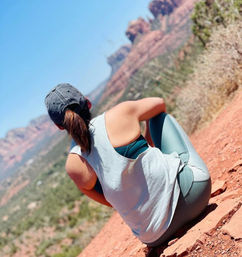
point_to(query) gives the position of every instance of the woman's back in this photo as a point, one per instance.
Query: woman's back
(122, 125)
(122, 122)
(144, 190)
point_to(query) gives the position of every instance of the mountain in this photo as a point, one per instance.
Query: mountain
(166, 32)
(22, 144)
(115, 61)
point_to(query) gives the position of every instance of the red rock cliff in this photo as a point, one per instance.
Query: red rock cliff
(18, 141)
(136, 28)
(151, 45)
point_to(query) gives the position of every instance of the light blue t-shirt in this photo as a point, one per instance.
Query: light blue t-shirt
(144, 190)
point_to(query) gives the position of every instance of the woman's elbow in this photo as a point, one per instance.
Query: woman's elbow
(161, 105)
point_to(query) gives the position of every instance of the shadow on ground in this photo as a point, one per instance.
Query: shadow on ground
(158, 250)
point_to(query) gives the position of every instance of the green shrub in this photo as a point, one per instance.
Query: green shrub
(72, 220)
(43, 246)
(208, 14)
(217, 75)
(13, 249)
(69, 251)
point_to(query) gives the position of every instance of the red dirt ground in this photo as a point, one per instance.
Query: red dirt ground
(218, 231)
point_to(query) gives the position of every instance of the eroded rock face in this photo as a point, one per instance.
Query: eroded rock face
(163, 7)
(152, 44)
(18, 141)
(116, 59)
(137, 27)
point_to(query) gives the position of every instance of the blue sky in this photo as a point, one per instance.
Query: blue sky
(43, 43)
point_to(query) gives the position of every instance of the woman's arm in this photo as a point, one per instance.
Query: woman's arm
(123, 120)
(147, 108)
(143, 109)
(84, 177)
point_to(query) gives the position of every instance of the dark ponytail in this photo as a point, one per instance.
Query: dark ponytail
(77, 125)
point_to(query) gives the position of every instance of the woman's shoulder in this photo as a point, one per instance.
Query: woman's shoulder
(75, 148)
(120, 111)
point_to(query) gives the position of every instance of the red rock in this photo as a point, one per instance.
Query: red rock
(172, 241)
(152, 44)
(19, 148)
(236, 165)
(20, 140)
(115, 60)
(234, 227)
(163, 7)
(124, 240)
(204, 226)
(136, 28)
(218, 187)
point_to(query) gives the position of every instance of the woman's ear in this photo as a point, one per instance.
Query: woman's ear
(89, 104)
(60, 127)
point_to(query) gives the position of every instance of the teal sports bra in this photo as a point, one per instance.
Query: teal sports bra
(131, 151)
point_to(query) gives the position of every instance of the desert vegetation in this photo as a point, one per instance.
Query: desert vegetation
(216, 76)
(165, 75)
(217, 73)
(201, 76)
(210, 13)
(50, 212)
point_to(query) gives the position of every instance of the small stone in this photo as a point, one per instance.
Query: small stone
(218, 187)
(199, 242)
(225, 237)
(172, 241)
(236, 166)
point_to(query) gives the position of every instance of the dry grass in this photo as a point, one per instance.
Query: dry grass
(217, 75)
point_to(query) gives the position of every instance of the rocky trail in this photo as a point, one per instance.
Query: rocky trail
(218, 230)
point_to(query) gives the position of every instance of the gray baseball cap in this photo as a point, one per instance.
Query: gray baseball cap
(59, 98)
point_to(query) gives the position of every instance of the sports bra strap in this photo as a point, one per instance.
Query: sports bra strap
(133, 149)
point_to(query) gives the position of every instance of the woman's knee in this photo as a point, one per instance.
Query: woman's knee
(167, 135)
(156, 129)
(198, 197)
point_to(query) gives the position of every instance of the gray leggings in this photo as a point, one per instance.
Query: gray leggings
(194, 179)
